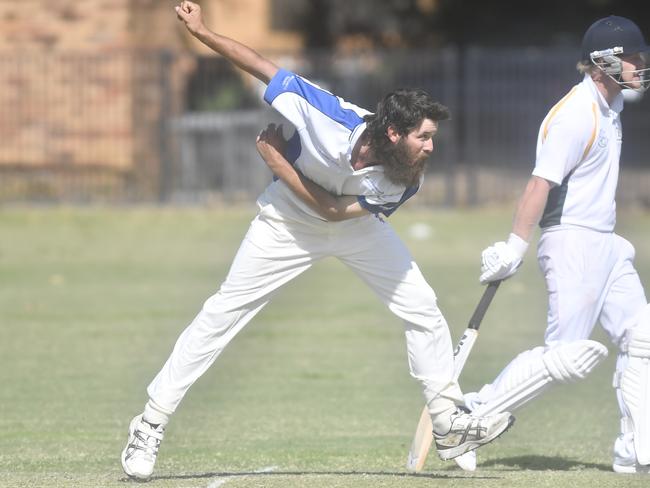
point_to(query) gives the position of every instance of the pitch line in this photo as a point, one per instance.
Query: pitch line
(222, 481)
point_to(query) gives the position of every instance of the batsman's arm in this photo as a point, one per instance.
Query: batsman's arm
(330, 207)
(503, 259)
(531, 207)
(237, 53)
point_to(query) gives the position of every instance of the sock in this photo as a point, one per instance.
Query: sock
(440, 410)
(155, 415)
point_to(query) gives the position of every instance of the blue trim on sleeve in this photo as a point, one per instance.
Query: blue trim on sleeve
(277, 85)
(287, 82)
(387, 208)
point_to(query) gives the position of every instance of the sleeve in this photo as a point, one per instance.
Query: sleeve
(297, 98)
(563, 142)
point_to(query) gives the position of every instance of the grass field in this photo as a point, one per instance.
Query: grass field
(314, 393)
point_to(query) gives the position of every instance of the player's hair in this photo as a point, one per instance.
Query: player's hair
(585, 67)
(404, 110)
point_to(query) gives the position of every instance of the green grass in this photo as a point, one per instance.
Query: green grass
(315, 390)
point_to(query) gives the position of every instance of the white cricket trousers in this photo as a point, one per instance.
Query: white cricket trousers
(276, 250)
(590, 278)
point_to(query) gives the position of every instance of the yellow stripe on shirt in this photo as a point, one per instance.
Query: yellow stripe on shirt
(555, 109)
(593, 132)
(558, 106)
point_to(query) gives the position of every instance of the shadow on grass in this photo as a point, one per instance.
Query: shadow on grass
(543, 463)
(398, 474)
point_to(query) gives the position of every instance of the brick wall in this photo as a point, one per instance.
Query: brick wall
(67, 101)
(85, 83)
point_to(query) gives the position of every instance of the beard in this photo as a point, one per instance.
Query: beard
(399, 165)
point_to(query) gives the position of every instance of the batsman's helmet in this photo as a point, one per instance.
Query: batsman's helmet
(608, 39)
(611, 32)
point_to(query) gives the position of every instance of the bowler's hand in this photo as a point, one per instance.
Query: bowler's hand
(271, 144)
(190, 14)
(502, 259)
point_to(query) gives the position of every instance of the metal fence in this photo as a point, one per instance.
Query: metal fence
(192, 140)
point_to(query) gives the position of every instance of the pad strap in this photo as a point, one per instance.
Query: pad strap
(627, 425)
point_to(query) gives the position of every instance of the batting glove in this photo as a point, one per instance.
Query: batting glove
(502, 259)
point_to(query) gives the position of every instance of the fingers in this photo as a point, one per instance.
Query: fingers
(262, 137)
(270, 139)
(180, 12)
(271, 131)
(184, 9)
(268, 130)
(189, 7)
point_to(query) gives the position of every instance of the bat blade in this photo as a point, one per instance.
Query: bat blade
(421, 443)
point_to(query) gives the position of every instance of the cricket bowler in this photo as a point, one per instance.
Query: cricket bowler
(369, 164)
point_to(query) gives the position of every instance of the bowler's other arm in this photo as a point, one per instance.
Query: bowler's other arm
(330, 207)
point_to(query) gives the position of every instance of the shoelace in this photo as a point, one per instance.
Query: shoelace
(147, 439)
(473, 427)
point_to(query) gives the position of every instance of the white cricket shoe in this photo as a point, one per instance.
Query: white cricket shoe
(468, 432)
(466, 461)
(139, 455)
(624, 466)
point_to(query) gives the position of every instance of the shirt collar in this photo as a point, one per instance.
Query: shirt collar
(354, 137)
(617, 104)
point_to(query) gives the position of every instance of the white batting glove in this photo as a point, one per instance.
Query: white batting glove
(502, 259)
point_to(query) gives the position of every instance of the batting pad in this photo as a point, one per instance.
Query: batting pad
(635, 389)
(533, 371)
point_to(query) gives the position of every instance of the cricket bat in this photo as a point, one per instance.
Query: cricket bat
(423, 437)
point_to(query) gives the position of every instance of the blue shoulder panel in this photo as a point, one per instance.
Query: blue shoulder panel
(287, 82)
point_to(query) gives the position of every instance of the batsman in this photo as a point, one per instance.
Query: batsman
(343, 170)
(588, 268)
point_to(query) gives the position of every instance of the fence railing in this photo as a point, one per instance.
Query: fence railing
(132, 126)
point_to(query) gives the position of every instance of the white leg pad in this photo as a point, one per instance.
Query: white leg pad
(563, 363)
(635, 389)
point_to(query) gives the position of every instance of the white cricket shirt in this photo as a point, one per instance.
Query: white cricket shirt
(327, 129)
(578, 148)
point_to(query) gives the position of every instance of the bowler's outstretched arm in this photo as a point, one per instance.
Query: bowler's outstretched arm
(237, 53)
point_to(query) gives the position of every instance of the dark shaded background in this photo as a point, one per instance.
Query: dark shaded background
(420, 23)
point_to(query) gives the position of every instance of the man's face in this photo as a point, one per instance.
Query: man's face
(631, 70)
(404, 163)
(419, 141)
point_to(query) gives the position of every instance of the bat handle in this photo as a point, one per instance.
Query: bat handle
(483, 305)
